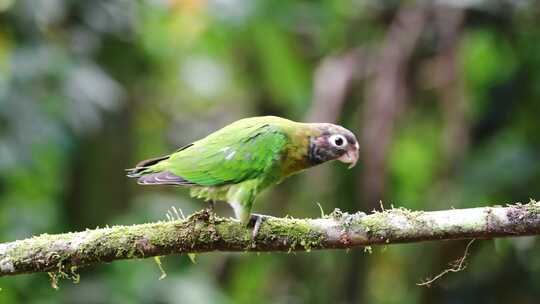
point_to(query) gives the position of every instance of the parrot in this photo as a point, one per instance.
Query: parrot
(235, 163)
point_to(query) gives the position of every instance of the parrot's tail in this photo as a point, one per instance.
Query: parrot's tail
(146, 175)
(144, 166)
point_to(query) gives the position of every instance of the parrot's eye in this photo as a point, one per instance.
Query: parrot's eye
(338, 141)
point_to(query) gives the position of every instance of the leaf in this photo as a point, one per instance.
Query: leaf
(192, 257)
(157, 259)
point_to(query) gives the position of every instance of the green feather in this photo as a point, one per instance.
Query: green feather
(232, 164)
(229, 156)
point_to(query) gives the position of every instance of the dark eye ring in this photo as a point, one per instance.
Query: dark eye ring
(338, 141)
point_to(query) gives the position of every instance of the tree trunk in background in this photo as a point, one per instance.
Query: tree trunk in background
(447, 75)
(331, 82)
(383, 102)
(444, 74)
(97, 171)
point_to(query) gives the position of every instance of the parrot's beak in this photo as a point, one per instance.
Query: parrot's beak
(350, 157)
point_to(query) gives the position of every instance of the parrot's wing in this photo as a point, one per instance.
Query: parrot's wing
(226, 157)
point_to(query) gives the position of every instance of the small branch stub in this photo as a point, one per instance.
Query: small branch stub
(204, 232)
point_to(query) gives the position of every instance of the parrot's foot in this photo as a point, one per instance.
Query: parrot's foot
(256, 220)
(210, 209)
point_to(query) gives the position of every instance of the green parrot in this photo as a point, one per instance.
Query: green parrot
(237, 162)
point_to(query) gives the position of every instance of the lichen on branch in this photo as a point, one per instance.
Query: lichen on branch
(204, 232)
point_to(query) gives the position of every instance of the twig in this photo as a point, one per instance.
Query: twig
(455, 266)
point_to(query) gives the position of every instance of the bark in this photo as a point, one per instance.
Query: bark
(203, 232)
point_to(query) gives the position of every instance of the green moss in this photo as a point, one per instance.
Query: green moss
(204, 231)
(379, 224)
(533, 207)
(337, 214)
(296, 232)
(233, 232)
(375, 223)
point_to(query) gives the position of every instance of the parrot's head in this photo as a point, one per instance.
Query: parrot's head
(333, 142)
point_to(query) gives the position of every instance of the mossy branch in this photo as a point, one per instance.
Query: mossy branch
(203, 232)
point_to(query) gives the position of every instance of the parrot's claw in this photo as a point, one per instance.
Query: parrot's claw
(256, 220)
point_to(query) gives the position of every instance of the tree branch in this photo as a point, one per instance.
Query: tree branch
(203, 232)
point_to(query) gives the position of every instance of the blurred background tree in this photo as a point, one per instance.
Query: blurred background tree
(445, 98)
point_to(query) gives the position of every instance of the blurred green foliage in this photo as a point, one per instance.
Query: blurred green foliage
(87, 88)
